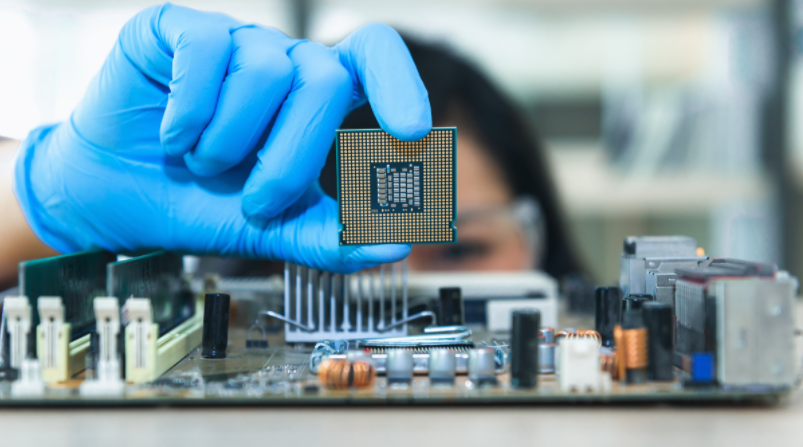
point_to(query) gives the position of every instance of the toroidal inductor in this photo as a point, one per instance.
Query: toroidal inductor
(342, 374)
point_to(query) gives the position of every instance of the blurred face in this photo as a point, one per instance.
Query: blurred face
(488, 235)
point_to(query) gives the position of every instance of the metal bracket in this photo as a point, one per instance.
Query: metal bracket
(270, 313)
(427, 313)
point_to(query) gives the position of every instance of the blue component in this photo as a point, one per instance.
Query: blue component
(702, 367)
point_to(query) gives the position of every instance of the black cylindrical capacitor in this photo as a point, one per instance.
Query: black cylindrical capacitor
(216, 326)
(608, 304)
(450, 309)
(634, 301)
(658, 320)
(524, 348)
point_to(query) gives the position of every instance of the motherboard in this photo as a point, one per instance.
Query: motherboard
(680, 327)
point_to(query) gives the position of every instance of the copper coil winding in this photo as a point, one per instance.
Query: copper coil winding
(341, 374)
(635, 344)
(581, 333)
(608, 364)
(619, 361)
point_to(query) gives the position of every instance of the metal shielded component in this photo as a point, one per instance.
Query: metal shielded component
(743, 312)
(754, 324)
(652, 260)
(395, 192)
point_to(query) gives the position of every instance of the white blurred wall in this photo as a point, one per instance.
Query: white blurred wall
(50, 49)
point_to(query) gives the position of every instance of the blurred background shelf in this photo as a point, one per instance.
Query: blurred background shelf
(590, 186)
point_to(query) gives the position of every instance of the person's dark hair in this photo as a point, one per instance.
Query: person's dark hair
(455, 84)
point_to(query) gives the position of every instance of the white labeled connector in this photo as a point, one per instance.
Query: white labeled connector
(579, 365)
(52, 339)
(29, 384)
(108, 382)
(141, 335)
(18, 320)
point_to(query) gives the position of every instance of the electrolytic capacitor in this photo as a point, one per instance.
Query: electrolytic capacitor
(216, 326)
(524, 348)
(634, 301)
(658, 321)
(442, 366)
(450, 310)
(482, 366)
(546, 357)
(608, 305)
(634, 336)
(399, 366)
(547, 335)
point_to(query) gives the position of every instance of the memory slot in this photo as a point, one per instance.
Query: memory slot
(77, 278)
(61, 290)
(163, 319)
(158, 277)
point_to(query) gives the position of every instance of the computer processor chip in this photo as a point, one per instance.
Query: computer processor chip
(395, 192)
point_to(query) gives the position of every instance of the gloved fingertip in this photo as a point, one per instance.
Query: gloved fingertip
(373, 255)
(418, 126)
(257, 208)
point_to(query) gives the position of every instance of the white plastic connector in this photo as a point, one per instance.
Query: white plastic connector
(30, 383)
(18, 320)
(579, 365)
(52, 339)
(141, 335)
(108, 382)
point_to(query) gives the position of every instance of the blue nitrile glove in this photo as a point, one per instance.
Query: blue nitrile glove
(204, 135)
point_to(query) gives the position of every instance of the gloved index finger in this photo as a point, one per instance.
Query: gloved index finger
(187, 51)
(383, 72)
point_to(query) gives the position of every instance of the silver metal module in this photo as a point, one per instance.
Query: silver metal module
(755, 323)
(647, 264)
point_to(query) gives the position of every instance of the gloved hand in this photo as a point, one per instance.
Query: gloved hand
(204, 135)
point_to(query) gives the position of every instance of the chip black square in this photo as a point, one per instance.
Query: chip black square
(395, 192)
